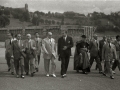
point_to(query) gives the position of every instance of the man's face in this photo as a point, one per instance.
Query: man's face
(109, 40)
(63, 33)
(19, 37)
(49, 36)
(95, 37)
(28, 37)
(104, 38)
(9, 36)
(37, 35)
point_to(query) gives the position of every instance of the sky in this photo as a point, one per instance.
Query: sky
(80, 6)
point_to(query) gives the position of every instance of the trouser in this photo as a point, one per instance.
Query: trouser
(97, 61)
(47, 63)
(108, 68)
(29, 61)
(17, 63)
(64, 64)
(10, 63)
(37, 61)
(115, 64)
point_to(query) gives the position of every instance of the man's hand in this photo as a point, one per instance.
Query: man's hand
(33, 48)
(65, 47)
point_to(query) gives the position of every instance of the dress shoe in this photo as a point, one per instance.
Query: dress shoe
(65, 75)
(84, 72)
(113, 72)
(54, 75)
(32, 74)
(62, 76)
(47, 75)
(22, 76)
(9, 69)
(112, 77)
(36, 69)
(104, 74)
(77, 71)
(12, 73)
(17, 76)
(100, 72)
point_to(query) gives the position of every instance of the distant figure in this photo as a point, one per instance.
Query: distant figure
(49, 54)
(65, 43)
(108, 54)
(8, 53)
(81, 59)
(38, 42)
(94, 53)
(18, 48)
(117, 61)
(30, 49)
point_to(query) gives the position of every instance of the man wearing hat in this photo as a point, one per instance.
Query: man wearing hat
(81, 59)
(65, 43)
(94, 53)
(49, 54)
(117, 46)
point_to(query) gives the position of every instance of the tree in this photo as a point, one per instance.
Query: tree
(53, 22)
(4, 21)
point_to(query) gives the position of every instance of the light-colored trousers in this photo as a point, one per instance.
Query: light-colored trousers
(47, 63)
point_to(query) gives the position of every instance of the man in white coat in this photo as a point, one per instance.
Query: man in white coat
(49, 54)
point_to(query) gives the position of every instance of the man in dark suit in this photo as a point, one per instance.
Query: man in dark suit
(94, 53)
(18, 48)
(65, 43)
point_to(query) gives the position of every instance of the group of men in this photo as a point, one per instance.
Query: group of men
(24, 55)
(106, 50)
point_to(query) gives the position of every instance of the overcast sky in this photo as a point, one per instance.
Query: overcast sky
(81, 6)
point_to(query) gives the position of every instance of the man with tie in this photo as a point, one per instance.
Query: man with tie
(30, 50)
(65, 43)
(18, 48)
(49, 54)
(38, 42)
(8, 53)
(94, 53)
(108, 55)
(117, 61)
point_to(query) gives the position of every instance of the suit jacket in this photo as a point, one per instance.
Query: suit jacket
(94, 51)
(8, 47)
(49, 47)
(117, 45)
(109, 53)
(32, 49)
(38, 45)
(62, 43)
(17, 49)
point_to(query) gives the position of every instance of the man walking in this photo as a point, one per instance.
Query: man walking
(38, 42)
(117, 46)
(8, 53)
(18, 48)
(49, 54)
(94, 53)
(30, 48)
(65, 43)
(108, 54)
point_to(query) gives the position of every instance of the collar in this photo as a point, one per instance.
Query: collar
(29, 40)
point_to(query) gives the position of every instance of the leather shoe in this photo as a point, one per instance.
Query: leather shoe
(9, 69)
(111, 77)
(100, 72)
(104, 74)
(22, 76)
(27, 73)
(62, 76)
(36, 69)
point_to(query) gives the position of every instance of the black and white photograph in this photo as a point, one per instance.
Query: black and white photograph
(59, 44)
